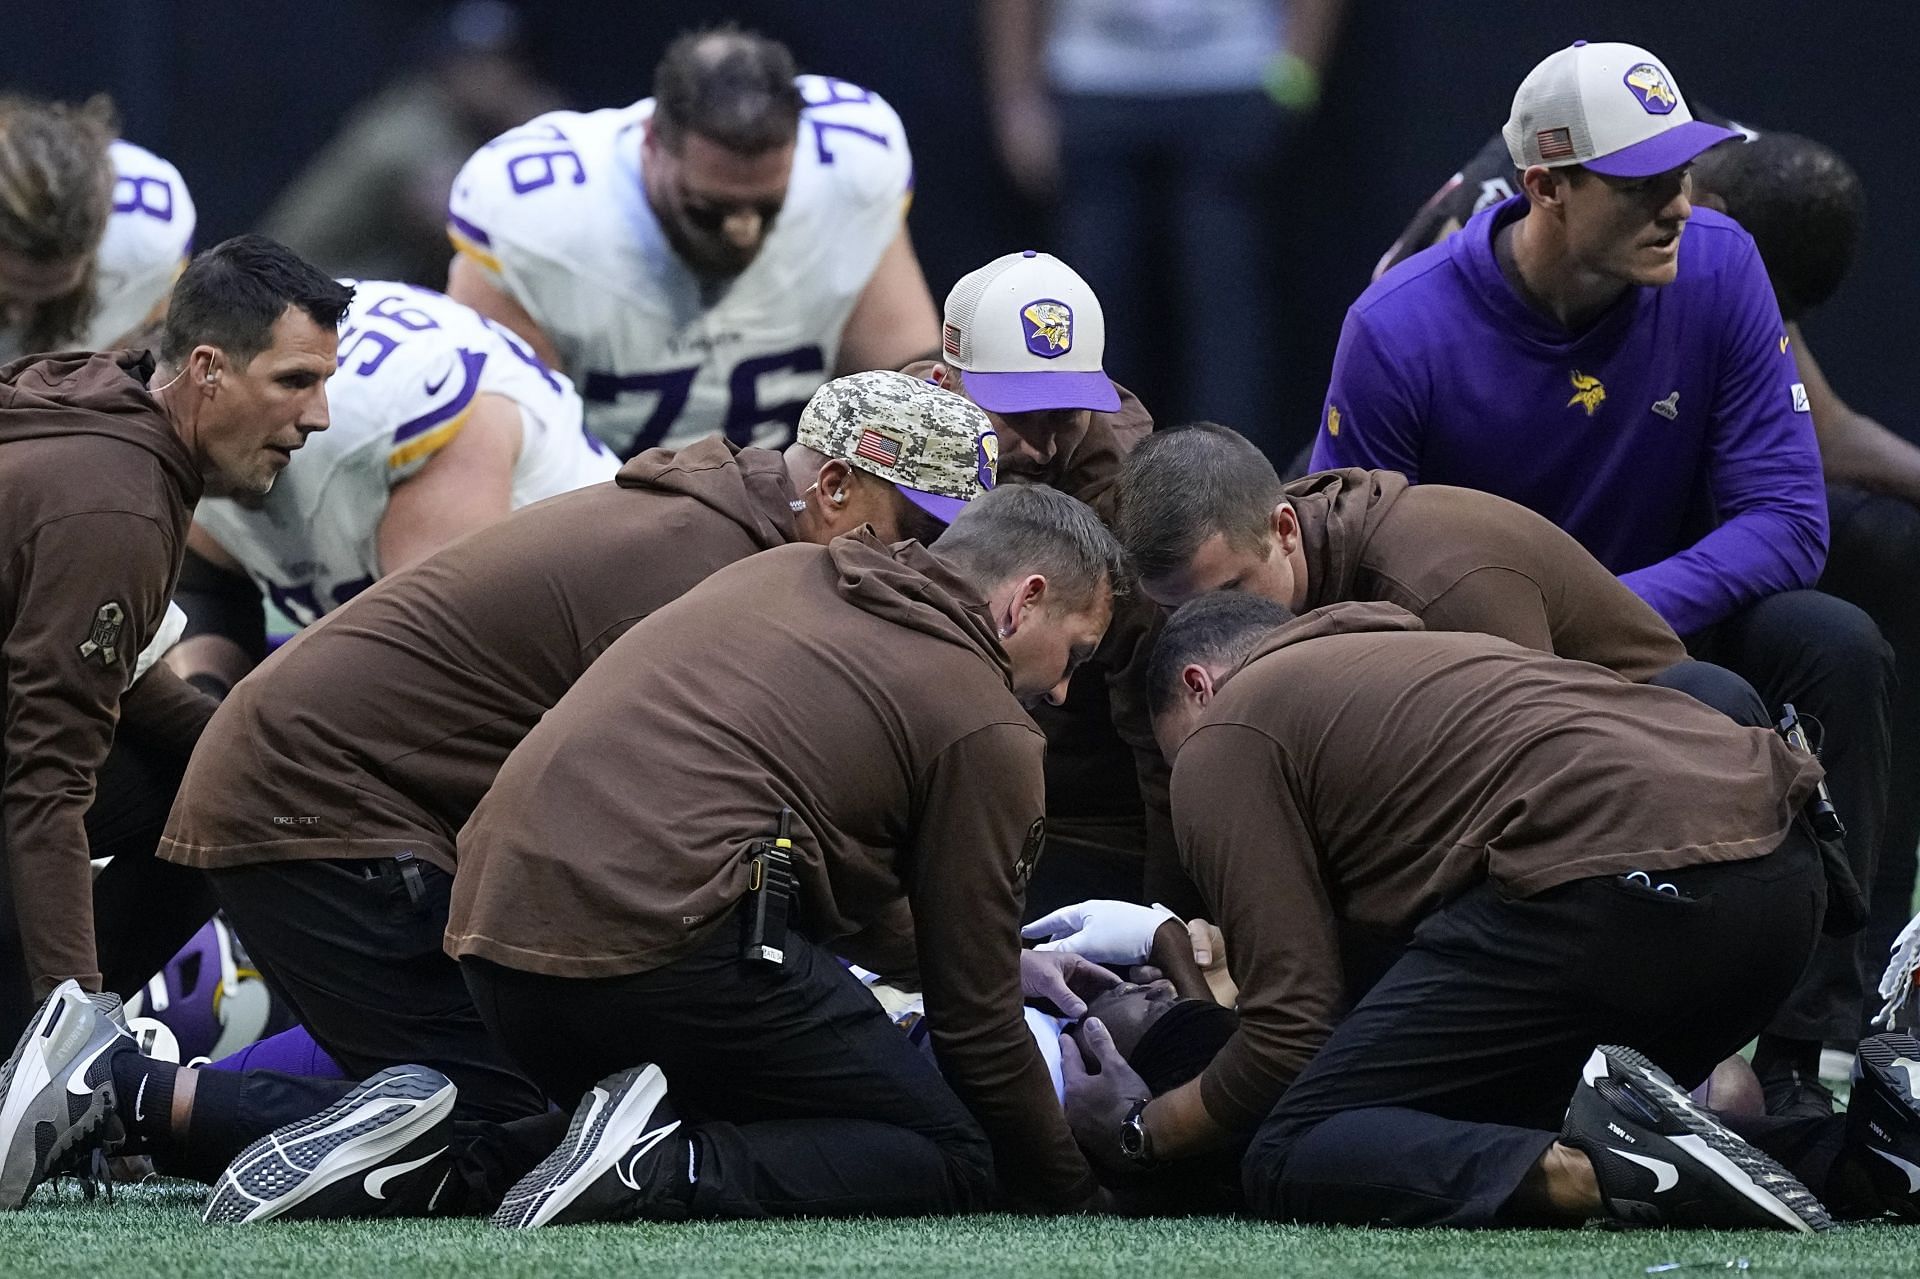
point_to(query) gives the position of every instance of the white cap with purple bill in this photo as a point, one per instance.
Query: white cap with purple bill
(1613, 108)
(1028, 334)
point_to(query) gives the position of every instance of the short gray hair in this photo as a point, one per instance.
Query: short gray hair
(1180, 487)
(1028, 528)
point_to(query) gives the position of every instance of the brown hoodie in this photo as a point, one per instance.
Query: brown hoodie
(1360, 769)
(1463, 560)
(1459, 560)
(98, 491)
(863, 688)
(378, 729)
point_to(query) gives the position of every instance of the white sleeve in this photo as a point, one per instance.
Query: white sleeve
(149, 234)
(403, 375)
(510, 206)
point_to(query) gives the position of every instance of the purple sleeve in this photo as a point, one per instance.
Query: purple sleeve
(1369, 420)
(1763, 474)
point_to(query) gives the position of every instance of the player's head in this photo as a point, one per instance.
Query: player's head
(1802, 204)
(1603, 141)
(249, 344)
(1048, 569)
(1166, 1039)
(719, 148)
(1197, 652)
(1201, 509)
(889, 450)
(1023, 338)
(56, 193)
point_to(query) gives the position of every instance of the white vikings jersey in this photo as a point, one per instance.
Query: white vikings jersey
(149, 234)
(908, 1012)
(411, 364)
(555, 214)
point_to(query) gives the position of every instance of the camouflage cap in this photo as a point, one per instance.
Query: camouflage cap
(934, 446)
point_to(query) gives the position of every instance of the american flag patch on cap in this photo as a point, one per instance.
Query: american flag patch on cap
(950, 339)
(876, 447)
(1555, 144)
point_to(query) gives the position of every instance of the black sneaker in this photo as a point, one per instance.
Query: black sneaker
(615, 1164)
(56, 1094)
(1792, 1094)
(1883, 1120)
(1662, 1160)
(380, 1151)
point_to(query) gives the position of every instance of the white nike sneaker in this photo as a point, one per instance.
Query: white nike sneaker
(619, 1161)
(1883, 1120)
(56, 1094)
(380, 1151)
(1662, 1160)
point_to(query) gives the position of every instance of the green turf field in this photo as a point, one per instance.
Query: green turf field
(157, 1232)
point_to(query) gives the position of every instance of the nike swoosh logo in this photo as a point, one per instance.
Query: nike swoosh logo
(377, 1179)
(433, 388)
(647, 1143)
(1911, 1069)
(77, 1080)
(1912, 1170)
(140, 1101)
(1665, 1175)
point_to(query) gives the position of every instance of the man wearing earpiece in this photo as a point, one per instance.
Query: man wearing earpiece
(102, 457)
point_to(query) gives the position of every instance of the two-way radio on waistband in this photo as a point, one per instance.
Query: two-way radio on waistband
(771, 890)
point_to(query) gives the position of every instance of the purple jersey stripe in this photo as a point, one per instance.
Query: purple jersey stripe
(469, 230)
(471, 363)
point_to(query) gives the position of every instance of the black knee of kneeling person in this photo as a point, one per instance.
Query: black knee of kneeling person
(1718, 687)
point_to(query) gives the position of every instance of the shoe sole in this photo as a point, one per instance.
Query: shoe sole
(1877, 1076)
(601, 1133)
(356, 1134)
(1724, 1153)
(59, 1033)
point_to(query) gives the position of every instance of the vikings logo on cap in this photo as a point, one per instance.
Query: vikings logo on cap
(989, 446)
(1649, 84)
(1049, 328)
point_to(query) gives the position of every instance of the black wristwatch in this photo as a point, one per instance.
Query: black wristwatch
(1134, 1142)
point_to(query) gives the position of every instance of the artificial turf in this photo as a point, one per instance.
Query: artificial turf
(156, 1231)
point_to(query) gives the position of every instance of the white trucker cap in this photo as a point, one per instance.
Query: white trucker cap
(1611, 107)
(1029, 334)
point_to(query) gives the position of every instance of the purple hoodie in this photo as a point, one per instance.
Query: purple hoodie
(1671, 437)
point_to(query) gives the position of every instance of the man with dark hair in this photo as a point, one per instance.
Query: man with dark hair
(705, 258)
(894, 759)
(1569, 858)
(325, 797)
(101, 474)
(1201, 509)
(1631, 380)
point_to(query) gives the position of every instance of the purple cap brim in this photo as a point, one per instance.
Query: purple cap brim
(1660, 153)
(941, 507)
(1032, 392)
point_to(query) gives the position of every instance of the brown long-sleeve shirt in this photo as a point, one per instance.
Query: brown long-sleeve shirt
(1360, 769)
(863, 688)
(377, 730)
(1459, 560)
(97, 494)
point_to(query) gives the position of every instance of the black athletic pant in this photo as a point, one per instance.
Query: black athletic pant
(799, 1094)
(1874, 561)
(144, 910)
(1434, 1097)
(1828, 658)
(354, 948)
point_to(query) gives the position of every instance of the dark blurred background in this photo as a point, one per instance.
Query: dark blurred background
(242, 95)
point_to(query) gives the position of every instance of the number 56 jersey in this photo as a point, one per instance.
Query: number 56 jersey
(411, 364)
(555, 215)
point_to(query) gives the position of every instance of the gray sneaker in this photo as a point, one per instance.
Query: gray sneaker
(56, 1094)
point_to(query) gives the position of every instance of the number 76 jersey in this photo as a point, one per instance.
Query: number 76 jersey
(555, 215)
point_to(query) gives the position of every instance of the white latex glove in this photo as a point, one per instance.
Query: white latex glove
(1107, 932)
